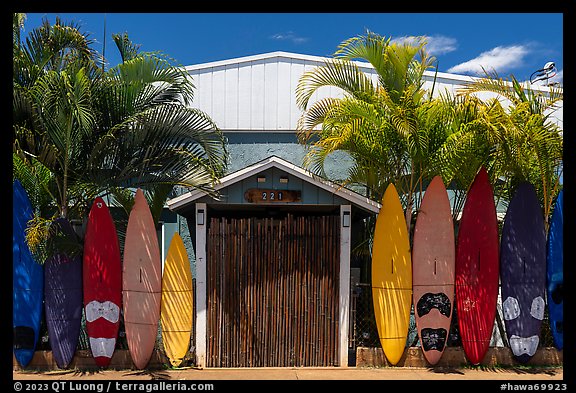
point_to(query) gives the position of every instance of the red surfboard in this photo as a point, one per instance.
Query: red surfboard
(433, 264)
(102, 279)
(477, 268)
(141, 282)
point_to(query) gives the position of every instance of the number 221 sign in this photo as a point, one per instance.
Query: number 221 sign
(260, 195)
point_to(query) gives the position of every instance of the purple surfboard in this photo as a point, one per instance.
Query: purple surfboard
(523, 271)
(63, 301)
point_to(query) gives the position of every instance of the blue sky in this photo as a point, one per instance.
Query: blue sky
(509, 43)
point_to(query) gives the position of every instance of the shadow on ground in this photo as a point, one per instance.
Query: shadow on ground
(445, 370)
(534, 370)
(155, 375)
(68, 372)
(499, 369)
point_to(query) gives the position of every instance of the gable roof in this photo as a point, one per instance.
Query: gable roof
(279, 55)
(458, 79)
(359, 200)
(312, 59)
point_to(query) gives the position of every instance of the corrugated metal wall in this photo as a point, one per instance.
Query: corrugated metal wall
(255, 95)
(258, 93)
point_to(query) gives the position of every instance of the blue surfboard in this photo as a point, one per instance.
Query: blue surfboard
(523, 272)
(27, 281)
(555, 273)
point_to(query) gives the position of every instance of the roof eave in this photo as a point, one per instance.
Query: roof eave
(180, 202)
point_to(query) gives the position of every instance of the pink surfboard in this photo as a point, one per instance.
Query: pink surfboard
(102, 282)
(433, 269)
(141, 282)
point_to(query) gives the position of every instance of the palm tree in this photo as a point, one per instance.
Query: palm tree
(51, 67)
(460, 154)
(381, 124)
(515, 138)
(81, 131)
(151, 137)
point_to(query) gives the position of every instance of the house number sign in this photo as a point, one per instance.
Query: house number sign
(261, 195)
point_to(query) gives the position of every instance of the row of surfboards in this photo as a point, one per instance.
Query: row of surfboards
(431, 275)
(98, 282)
(527, 262)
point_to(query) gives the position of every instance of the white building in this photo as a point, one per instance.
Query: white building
(252, 100)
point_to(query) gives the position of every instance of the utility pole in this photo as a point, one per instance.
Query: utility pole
(104, 45)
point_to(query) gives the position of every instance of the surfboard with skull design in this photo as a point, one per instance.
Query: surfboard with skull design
(523, 271)
(433, 266)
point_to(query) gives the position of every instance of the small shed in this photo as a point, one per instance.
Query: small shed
(272, 267)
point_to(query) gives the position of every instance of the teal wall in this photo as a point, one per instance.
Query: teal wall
(251, 147)
(172, 223)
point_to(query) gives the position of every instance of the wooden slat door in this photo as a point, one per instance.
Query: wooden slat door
(272, 292)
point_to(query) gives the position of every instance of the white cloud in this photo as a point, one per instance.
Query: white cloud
(498, 59)
(436, 44)
(406, 39)
(289, 36)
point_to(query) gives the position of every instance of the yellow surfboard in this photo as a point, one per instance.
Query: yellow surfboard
(392, 276)
(177, 302)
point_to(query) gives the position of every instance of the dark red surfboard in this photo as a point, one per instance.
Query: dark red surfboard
(102, 279)
(477, 268)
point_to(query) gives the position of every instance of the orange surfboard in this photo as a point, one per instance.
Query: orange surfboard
(433, 270)
(141, 282)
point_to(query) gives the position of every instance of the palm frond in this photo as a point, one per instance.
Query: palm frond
(491, 83)
(154, 79)
(166, 144)
(128, 50)
(370, 47)
(338, 73)
(53, 48)
(313, 117)
(63, 105)
(35, 178)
